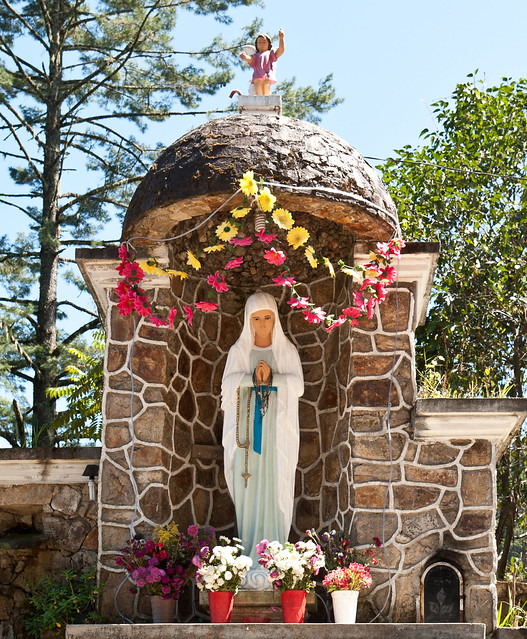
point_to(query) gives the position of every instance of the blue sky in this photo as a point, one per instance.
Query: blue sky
(390, 60)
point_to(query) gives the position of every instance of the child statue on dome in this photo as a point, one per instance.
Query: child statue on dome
(263, 62)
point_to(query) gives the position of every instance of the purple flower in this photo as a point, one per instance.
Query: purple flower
(193, 530)
(262, 546)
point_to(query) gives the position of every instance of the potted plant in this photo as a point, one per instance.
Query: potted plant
(344, 584)
(292, 568)
(348, 571)
(220, 572)
(162, 566)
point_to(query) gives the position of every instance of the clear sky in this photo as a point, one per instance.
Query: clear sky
(390, 60)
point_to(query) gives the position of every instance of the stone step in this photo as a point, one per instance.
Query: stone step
(279, 631)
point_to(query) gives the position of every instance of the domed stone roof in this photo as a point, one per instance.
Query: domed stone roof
(322, 175)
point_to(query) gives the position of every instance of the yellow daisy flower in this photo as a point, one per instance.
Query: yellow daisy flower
(213, 249)
(266, 200)
(310, 254)
(193, 261)
(240, 211)
(330, 266)
(248, 184)
(151, 267)
(172, 273)
(283, 218)
(297, 236)
(226, 230)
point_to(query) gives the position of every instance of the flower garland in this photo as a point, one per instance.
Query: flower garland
(373, 278)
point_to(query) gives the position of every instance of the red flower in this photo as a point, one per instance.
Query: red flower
(274, 257)
(142, 305)
(299, 302)
(241, 241)
(126, 303)
(234, 263)
(171, 316)
(371, 307)
(314, 316)
(267, 238)
(189, 313)
(358, 300)
(351, 311)
(157, 320)
(131, 271)
(284, 281)
(206, 307)
(338, 322)
(388, 275)
(217, 282)
(124, 254)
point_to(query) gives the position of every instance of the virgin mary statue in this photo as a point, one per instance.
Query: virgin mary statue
(261, 385)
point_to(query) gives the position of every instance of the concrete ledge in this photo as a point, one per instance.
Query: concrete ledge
(275, 631)
(496, 420)
(46, 465)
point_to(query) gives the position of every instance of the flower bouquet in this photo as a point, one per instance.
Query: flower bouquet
(221, 567)
(220, 571)
(163, 565)
(353, 577)
(291, 570)
(348, 571)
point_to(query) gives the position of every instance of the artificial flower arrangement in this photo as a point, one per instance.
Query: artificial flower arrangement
(221, 567)
(291, 566)
(372, 278)
(162, 566)
(347, 567)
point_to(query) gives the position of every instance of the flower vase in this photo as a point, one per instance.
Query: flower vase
(293, 605)
(220, 606)
(345, 605)
(163, 610)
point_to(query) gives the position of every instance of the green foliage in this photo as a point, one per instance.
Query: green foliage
(307, 103)
(466, 187)
(56, 602)
(82, 418)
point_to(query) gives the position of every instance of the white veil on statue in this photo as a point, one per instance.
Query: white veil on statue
(289, 369)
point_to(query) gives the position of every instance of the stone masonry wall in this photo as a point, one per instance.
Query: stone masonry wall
(439, 505)
(441, 500)
(44, 530)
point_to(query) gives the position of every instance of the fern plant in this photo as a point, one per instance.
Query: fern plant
(82, 417)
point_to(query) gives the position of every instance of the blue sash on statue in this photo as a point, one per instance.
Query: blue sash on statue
(257, 425)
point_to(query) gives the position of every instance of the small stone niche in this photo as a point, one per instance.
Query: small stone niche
(442, 594)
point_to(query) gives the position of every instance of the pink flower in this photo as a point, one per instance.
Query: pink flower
(267, 238)
(124, 254)
(284, 281)
(371, 307)
(171, 316)
(142, 305)
(131, 271)
(234, 263)
(122, 288)
(241, 241)
(380, 289)
(157, 320)
(126, 303)
(189, 313)
(315, 315)
(274, 257)
(338, 322)
(206, 307)
(358, 300)
(217, 282)
(299, 302)
(192, 530)
(366, 284)
(351, 311)
(388, 275)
